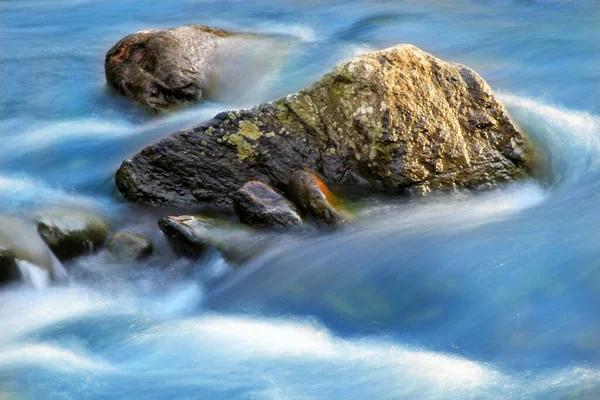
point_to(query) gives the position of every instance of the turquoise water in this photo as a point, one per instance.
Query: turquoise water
(488, 296)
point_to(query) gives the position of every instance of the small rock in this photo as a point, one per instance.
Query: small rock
(22, 248)
(72, 233)
(192, 236)
(127, 246)
(314, 198)
(258, 204)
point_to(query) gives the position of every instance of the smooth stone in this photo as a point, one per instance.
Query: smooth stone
(314, 198)
(128, 246)
(193, 236)
(163, 68)
(257, 204)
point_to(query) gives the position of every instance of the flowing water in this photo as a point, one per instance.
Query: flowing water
(468, 296)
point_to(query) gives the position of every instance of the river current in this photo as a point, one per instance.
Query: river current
(492, 295)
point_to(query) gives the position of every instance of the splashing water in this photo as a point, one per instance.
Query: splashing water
(33, 275)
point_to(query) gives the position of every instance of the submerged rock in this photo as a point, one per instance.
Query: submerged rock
(314, 198)
(72, 233)
(395, 119)
(127, 246)
(258, 204)
(162, 68)
(193, 236)
(24, 255)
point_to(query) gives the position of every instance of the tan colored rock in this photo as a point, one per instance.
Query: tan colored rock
(395, 119)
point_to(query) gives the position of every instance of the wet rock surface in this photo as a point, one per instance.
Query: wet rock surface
(193, 236)
(72, 233)
(259, 205)
(314, 198)
(163, 68)
(395, 119)
(128, 246)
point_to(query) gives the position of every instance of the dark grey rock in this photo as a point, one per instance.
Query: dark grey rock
(259, 205)
(9, 271)
(193, 236)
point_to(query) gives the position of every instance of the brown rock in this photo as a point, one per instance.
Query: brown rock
(159, 69)
(314, 198)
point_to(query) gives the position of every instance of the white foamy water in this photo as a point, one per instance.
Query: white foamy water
(456, 212)
(263, 357)
(33, 274)
(569, 139)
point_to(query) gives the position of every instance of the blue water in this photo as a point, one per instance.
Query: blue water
(487, 296)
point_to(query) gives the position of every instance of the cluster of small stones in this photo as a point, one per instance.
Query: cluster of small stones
(259, 206)
(63, 236)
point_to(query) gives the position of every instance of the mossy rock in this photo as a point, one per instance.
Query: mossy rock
(395, 120)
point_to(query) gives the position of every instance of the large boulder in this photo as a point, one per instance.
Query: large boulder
(193, 236)
(72, 233)
(395, 119)
(314, 198)
(162, 68)
(258, 204)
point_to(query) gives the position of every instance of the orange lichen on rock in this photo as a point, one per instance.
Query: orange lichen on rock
(314, 198)
(123, 52)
